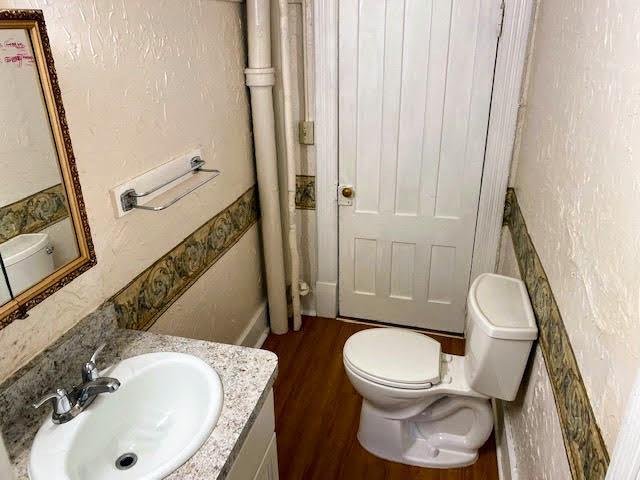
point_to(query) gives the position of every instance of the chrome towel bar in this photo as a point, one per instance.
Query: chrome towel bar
(129, 198)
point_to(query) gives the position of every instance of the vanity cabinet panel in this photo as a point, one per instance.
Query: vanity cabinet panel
(269, 467)
(6, 469)
(258, 459)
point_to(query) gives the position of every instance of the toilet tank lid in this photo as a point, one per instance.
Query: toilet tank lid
(500, 306)
(21, 247)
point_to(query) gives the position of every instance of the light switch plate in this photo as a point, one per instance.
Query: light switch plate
(306, 133)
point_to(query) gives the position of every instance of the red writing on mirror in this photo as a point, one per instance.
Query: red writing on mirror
(20, 57)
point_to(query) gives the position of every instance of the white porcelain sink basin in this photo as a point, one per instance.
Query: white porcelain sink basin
(165, 409)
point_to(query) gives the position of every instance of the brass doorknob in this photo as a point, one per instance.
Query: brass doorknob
(347, 192)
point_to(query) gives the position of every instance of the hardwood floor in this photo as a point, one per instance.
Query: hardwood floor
(318, 411)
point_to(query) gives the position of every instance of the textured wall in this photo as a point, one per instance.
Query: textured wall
(142, 82)
(578, 185)
(536, 448)
(215, 296)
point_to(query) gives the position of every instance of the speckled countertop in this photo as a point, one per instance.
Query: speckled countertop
(247, 376)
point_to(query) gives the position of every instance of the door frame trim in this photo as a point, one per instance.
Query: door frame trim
(511, 60)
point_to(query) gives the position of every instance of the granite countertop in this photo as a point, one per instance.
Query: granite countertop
(247, 376)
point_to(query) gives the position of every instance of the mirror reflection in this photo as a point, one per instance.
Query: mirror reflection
(5, 293)
(37, 235)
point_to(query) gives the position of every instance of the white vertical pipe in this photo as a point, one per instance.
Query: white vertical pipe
(291, 163)
(260, 80)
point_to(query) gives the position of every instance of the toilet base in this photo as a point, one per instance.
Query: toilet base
(417, 457)
(418, 441)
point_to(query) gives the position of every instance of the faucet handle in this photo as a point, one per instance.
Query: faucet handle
(89, 369)
(97, 352)
(60, 400)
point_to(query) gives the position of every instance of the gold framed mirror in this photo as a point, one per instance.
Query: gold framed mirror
(45, 241)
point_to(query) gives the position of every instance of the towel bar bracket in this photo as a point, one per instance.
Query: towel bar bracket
(129, 200)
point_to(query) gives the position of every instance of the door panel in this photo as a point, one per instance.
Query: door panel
(415, 82)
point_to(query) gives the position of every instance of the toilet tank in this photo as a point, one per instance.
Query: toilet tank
(27, 259)
(500, 331)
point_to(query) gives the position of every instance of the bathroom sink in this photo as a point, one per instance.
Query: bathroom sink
(165, 409)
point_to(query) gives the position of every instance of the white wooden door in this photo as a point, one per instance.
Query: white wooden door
(415, 80)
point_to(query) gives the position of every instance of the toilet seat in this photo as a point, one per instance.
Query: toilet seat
(398, 386)
(393, 357)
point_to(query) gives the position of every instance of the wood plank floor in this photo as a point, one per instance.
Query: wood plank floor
(317, 412)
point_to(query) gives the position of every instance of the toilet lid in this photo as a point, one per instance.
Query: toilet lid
(394, 357)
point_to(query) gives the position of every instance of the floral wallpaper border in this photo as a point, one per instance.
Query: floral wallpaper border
(150, 294)
(33, 213)
(305, 192)
(586, 450)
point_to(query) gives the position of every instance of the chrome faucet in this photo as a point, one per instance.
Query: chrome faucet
(68, 405)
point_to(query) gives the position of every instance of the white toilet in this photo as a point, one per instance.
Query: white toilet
(28, 259)
(422, 407)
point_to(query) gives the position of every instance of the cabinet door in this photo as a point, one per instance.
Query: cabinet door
(257, 458)
(268, 469)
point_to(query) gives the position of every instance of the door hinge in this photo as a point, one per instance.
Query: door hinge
(501, 19)
(305, 133)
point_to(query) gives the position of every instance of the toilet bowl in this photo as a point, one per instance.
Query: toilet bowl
(425, 408)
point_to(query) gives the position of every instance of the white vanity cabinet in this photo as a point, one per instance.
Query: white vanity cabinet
(258, 457)
(6, 469)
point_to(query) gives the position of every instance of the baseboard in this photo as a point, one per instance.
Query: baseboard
(309, 312)
(327, 299)
(263, 336)
(504, 445)
(257, 330)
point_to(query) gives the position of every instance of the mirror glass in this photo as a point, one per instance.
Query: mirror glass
(37, 234)
(5, 293)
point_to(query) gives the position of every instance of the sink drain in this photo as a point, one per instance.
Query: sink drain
(126, 461)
